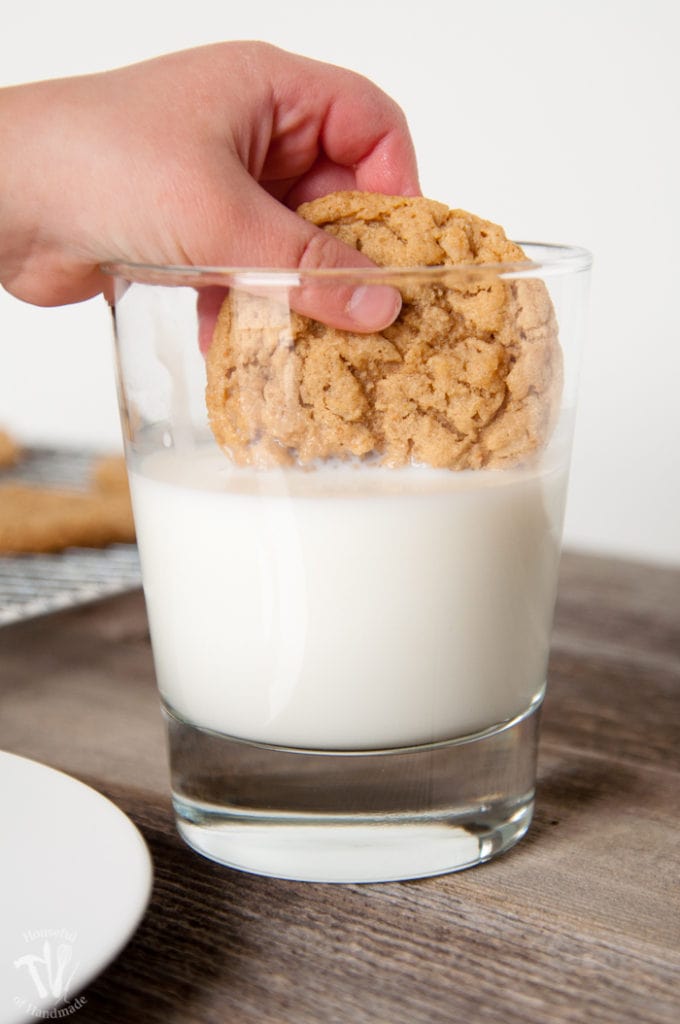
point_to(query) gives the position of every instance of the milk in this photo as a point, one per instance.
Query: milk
(347, 607)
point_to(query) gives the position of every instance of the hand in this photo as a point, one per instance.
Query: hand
(197, 158)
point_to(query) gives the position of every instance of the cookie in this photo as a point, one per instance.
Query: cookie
(468, 376)
(10, 452)
(41, 519)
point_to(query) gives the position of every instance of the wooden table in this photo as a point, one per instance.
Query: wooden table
(580, 922)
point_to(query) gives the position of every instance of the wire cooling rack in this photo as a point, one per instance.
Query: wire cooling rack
(33, 585)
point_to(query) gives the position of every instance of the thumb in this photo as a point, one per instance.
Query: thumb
(263, 233)
(348, 300)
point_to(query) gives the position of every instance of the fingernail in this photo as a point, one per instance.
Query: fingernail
(373, 307)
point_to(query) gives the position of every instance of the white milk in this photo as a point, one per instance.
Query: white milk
(349, 607)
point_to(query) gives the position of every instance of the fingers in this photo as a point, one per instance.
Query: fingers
(356, 125)
(383, 161)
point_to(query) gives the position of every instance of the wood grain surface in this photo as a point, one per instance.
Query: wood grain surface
(580, 922)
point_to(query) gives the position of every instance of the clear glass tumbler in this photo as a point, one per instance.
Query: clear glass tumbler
(349, 548)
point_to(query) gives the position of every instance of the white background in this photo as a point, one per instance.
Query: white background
(557, 118)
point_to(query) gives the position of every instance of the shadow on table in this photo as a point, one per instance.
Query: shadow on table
(573, 788)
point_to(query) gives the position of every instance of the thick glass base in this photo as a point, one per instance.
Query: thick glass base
(359, 816)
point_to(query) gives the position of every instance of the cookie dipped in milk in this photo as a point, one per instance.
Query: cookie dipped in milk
(377, 553)
(350, 542)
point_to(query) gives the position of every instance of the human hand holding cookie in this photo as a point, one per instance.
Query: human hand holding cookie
(198, 158)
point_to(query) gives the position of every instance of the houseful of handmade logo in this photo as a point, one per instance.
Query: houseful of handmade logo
(47, 974)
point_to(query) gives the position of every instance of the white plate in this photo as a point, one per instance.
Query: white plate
(75, 880)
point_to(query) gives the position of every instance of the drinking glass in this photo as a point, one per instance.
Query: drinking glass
(350, 601)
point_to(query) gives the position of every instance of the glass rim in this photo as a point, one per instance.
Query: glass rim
(549, 259)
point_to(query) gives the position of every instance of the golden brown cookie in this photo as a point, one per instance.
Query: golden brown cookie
(10, 452)
(41, 519)
(468, 376)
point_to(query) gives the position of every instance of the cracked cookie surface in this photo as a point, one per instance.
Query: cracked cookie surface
(468, 376)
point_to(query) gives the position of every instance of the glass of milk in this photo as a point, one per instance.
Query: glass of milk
(351, 654)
